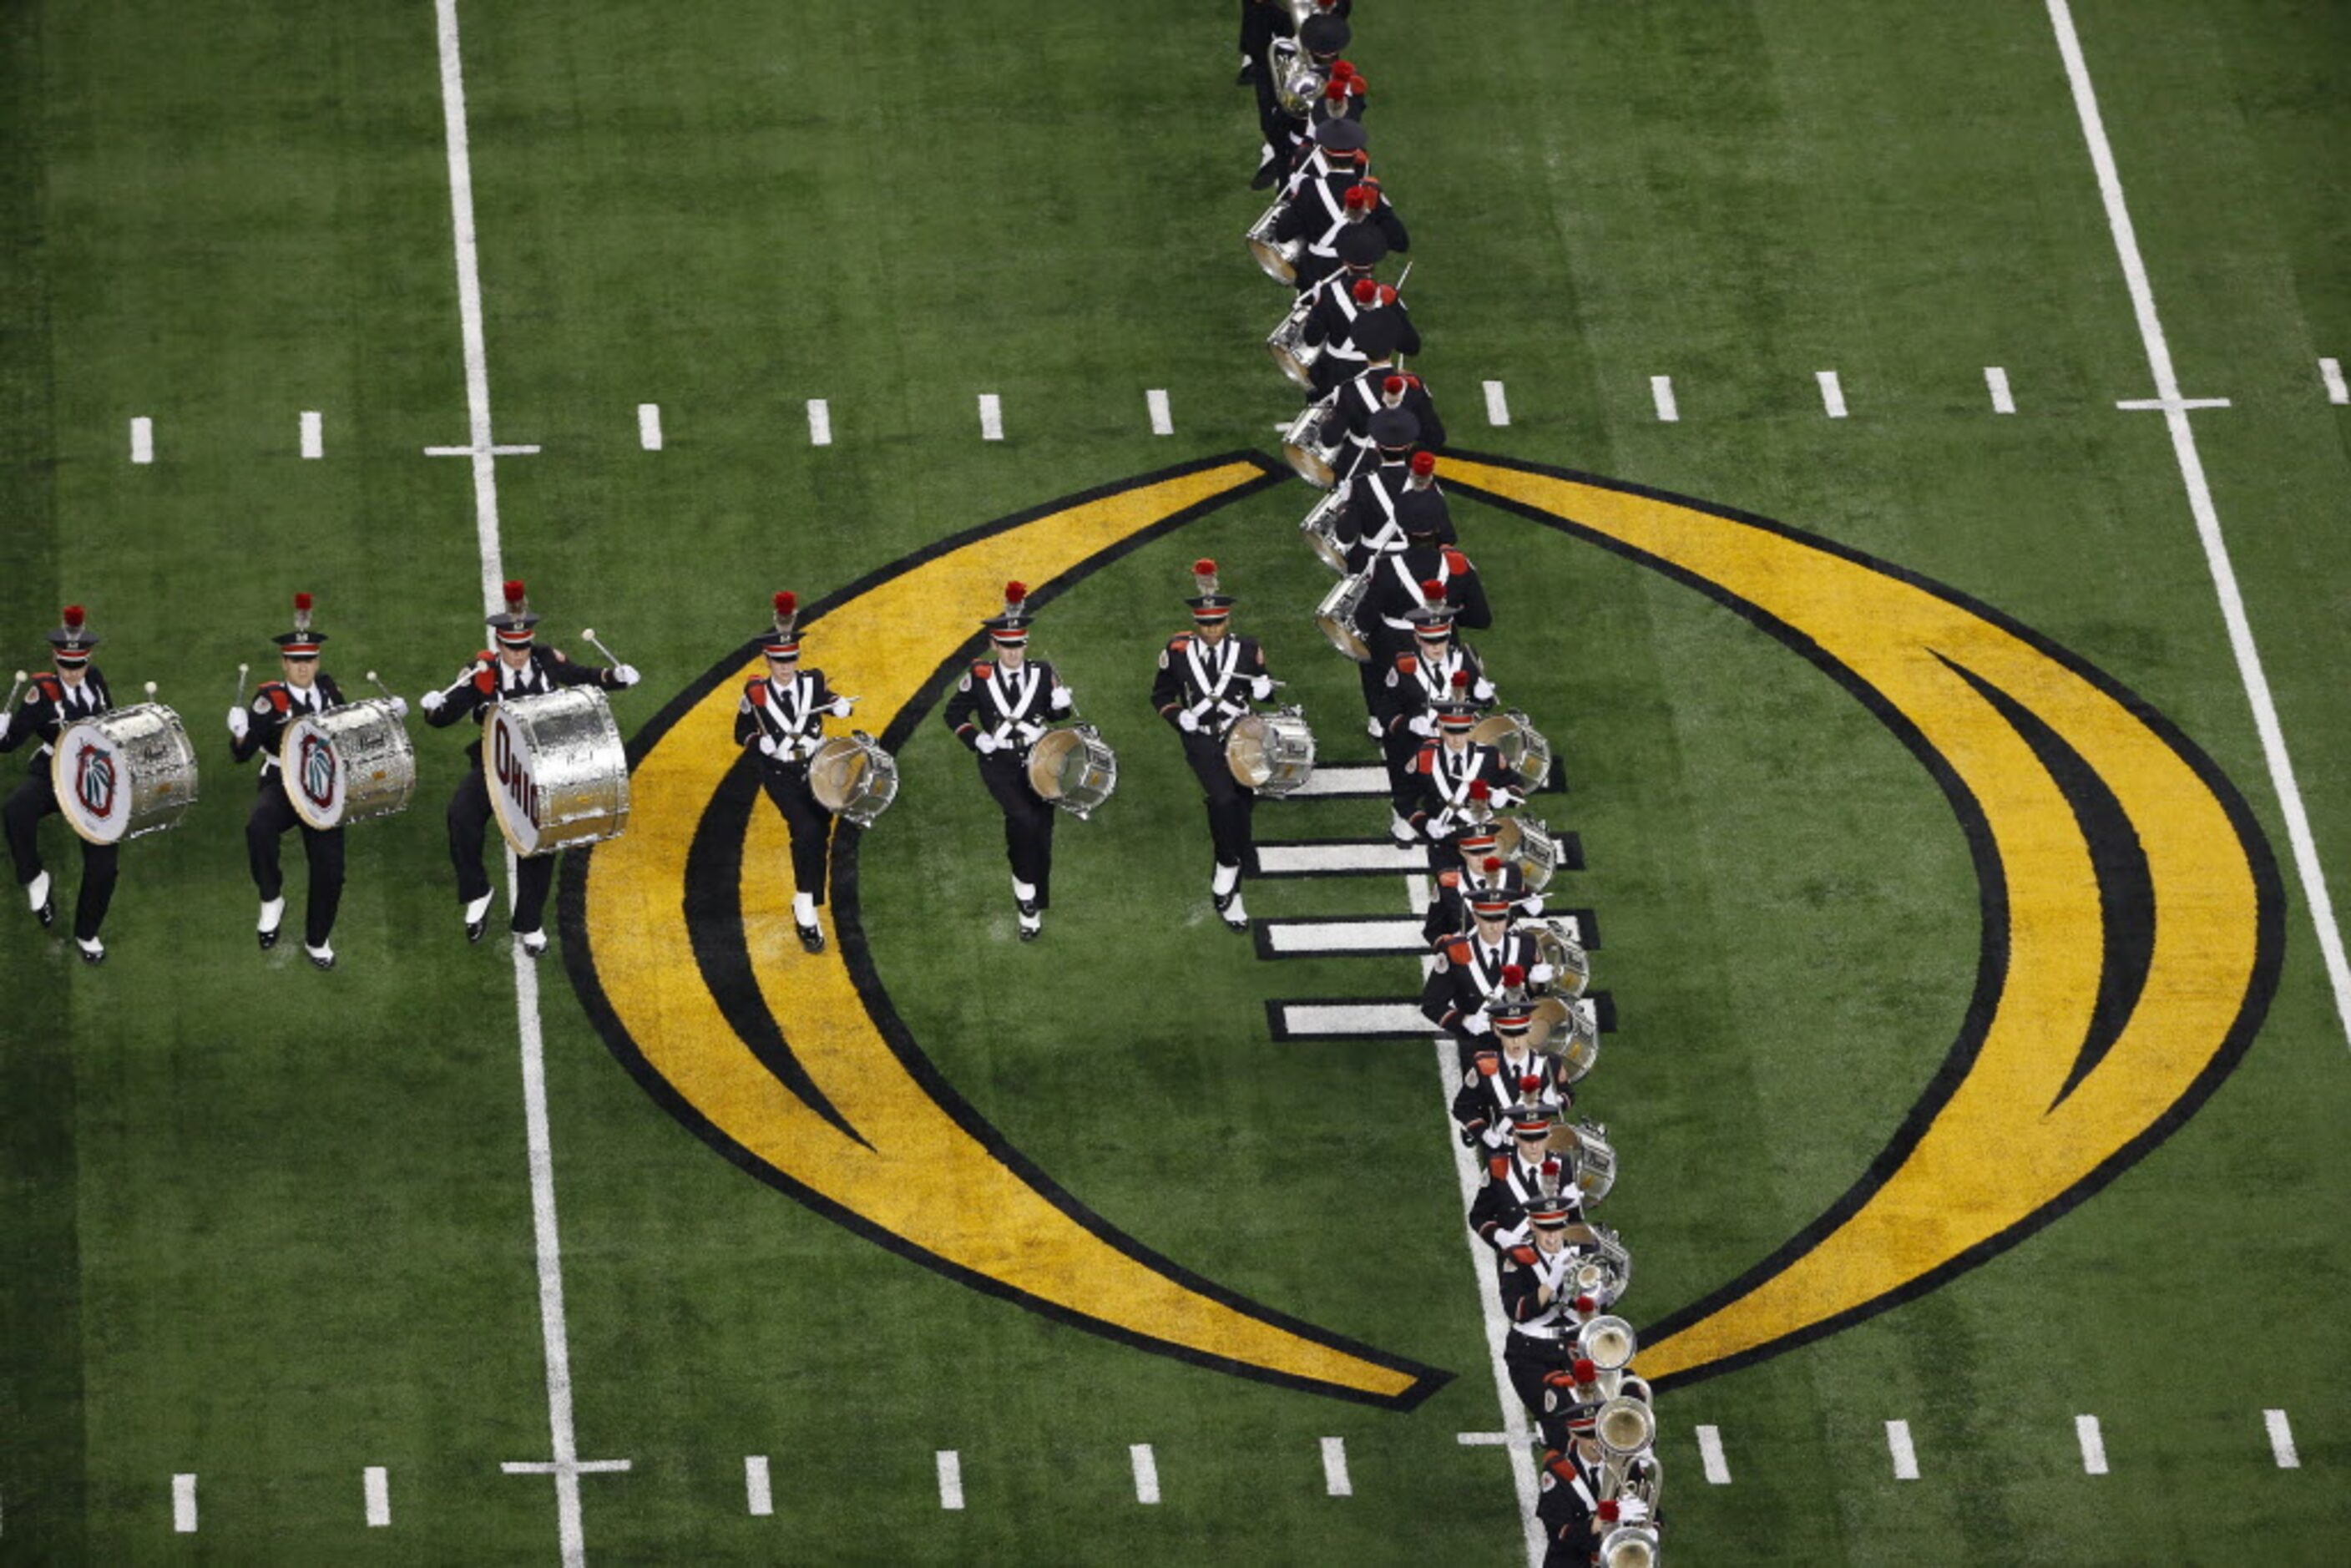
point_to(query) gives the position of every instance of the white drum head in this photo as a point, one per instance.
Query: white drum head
(92, 779)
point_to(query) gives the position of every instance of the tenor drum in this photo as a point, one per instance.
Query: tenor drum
(1595, 1170)
(1529, 845)
(1336, 616)
(1288, 345)
(1524, 750)
(559, 773)
(1272, 753)
(1074, 769)
(1571, 1029)
(124, 774)
(351, 763)
(1310, 451)
(1278, 257)
(1320, 527)
(1556, 944)
(851, 776)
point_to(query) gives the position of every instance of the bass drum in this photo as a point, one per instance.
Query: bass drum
(124, 774)
(1556, 944)
(1570, 1030)
(1320, 527)
(1272, 753)
(1336, 616)
(559, 773)
(1311, 452)
(351, 763)
(851, 776)
(1524, 750)
(1074, 769)
(1529, 845)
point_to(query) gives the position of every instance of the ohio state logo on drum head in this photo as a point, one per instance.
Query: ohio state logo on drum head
(321, 779)
(513, 794)
(95, 780)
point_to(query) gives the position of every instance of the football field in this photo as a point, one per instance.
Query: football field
(1905, 448)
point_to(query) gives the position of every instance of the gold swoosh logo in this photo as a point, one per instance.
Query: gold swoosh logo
(2134, 916)
(801, 1071)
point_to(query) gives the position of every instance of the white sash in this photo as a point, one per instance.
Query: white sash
(1227, 661)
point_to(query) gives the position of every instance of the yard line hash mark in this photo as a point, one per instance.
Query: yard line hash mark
(758, 1495)
(1905, 1456)
(314, 434)
(1831, 393)
(1996, 379)
(143, 440)
(1498, 405)
(1146, 1472)
(2331, 373)
(1709, 1453)
(1335, 1482)
(1163, 423)
(2282, 1440)
(991, 417)
(1482, 1439)
(950, 1480)
(184, 1504)
(1661, 392)
(2093, 1445)
(375, 1486)
(649, 432)
(2313, 876)
(819, 415)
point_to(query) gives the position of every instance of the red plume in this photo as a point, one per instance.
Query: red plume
(1014, 593)
(1492, 865)
(1551, 1168)
(73, 617)
(301, 601)
(1336, 89)
(1529, 1082)
(1514, 974)
(514, 593)
(1203, 567)
(1387, 295)
(1423, 462)
(786, 603)
(1361, 196)
(1393, 385)
(1460, 677)
(1366, 290)
(1585, 1369)
(1431, 589)
(1481, 791)
(1342, 69)
(1586, 1304)
(1610, 1509)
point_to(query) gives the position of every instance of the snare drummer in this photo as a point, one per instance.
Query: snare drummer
(518, 668)
(1489, 962)
(1457, 780)
(1417, 679)
(1207, 679)
(1508, 1072)
(1000, 710)
(75, 691)
(782, 714)
(1481, 870)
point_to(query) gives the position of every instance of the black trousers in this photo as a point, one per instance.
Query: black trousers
(1230, 802)
(1256, 29)
(1399, 747)
(787, 784)
(1028, 822)
(469, 821)
(265, 828)
(27, 804)
(1527, 1360)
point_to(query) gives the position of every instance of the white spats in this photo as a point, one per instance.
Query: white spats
(273, 910)
(37, 892)
(375, 1485)
(1146, 1472)
(2282, 1439)
(1661, 392)
(950, 1480)
(2093, 1445)
(819, 418)
(1341, 858)
(1710, 1454)
(759, 1497)
(991, 417)
(1831, 393)
(1162, 421)
(649, 430)
(478, 910)
(1995, 382)
(2331, 373)
(1905, 1456)
(184, 1504)
(1498, 405)
(1334, 1469)
(143, 440)
(314, 434)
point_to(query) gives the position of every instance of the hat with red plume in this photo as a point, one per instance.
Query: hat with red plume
(513, 628)
(783, 641)
(71, 643)
(1424, 465)
(1010, 628)
(301, 643)
(1210, 602)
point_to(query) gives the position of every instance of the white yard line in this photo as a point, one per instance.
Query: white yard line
(759, 1496)
(2174, 409)
(314, 434)
(1335, 1481)
(1661, 392)
(1498, 405)
(1398, 936)
(819, 415)
(1709, 1453)
(1906, 1457)
(565, 1466)
(2282, 1440)
(1146, 1472)
(991, 417)
(1996, 379)
(2093, 1445)
(143, 440)
(375, 1486)
(2331, 373)
(648, 431)
(1831, 393)
(184, 1504)
(950, 1480)
(1162, 421)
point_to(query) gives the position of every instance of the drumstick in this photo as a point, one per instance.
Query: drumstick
(378, 684)
(150, 691)
(588, 635)
(240, 683)
(17, 686)
(1406, 278)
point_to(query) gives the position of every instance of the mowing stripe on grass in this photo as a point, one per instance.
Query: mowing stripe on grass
(143, 440)
(184, 1504)
(1341, 857)
(1661, 392)
(819, 415)
(1710, 1454)
(2282, 1440)
(1146, 1472)
(1831, 393)
(1498, 406)
(950, 1480)
(2331, 373)
(1335, 1482)
(375, 1487)
(758, 1495)
(649, 434)
(1906, 1457)
(1163, 423)
(2093, 1445)
(2208, 520)
(1996, 380)
(314, 434)
(991, 417)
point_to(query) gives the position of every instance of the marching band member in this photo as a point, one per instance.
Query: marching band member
(1536, 1263)
(1504, 1075)
(1207, 680)
(1342, 305)
(1418, 679)
(1000, 710)
(1424, 573)
(73, 689)
(782, 714)
(1477, 968)
(1449, 911)
(1373, 523)
(1297, 61)
(1384, 410)
(1459, 779)
(518, 668)
(1325, 208)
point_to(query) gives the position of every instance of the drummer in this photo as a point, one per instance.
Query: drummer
(1417, 678)
(1000, 710)
(518, 668)
(1457, 782)
(75, 691)
(782, 714)
(1207, 676)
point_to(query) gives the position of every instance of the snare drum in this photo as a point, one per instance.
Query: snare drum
(1595, 1159)
(1569, 1029)
(1074, 769)
(559, 773)
(1336, 616)
(851, 776)
(123, 773)
(1272, 753)
(1287, 343)
(1524, 750)
(1556, 944)
(1308, 449)
(1320, 527)
(1278, 257)
(350, 764)
(1529, 845)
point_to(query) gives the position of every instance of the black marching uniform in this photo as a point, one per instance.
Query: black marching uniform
(1213, 683)
(1446, 779)
(1331, 321)
(1496, 1082)
(1399, 586)
(1365, 394)
(1419, 678)
(1012, 708)
(1317, 215)
(1448, 909)
(48, 707)
(1465, 975)
(275, 705)
(790, 713)
(1542, 1334)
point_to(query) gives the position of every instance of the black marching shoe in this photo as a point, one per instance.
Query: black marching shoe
(1267, 174)
(1230, 909)
(1032, 919)
(1248, 73)
(267, 940)
(320, 957)
(474, 929)
(92, 951)
(811, 938)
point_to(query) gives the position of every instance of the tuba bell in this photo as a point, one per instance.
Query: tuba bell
(1629, 1546)
(1609, 1344)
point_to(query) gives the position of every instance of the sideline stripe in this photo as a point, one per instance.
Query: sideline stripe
(2331, 373)
(756, 1493)
(184, 1504)
(2282, 1440)
(2094, 1444)
(819, 415)
(1906, 1457)
(1996, 379)
(375, 1483)
(1163, 423)
(1146, 1472)
(143, 440)
(1831, 393)
(1498, 405)
(314, 433)
(1709, 1453)
(1335, 1481)
(649, 434)
(1661, 392)
(950, 1480)
(2208, 520)
(991, 417)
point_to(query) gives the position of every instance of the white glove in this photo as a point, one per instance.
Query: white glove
(400, 707)
(841, 708)
(239, 725)
(1496, 1138)
(1438, 828)
(4, 717)
(1261, 687)
(986, 744)
(1482, 690)
(1542, 975)
(768, 747)
(1061, 698)
(432, 701)
(1187, 721)
(1503, 800)
(625, 675)
(1475, 1023)
(1423, 726)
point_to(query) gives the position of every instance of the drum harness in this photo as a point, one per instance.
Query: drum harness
(295, 707)
(1412, 585)
(790, 712)
(1014, 721)
(1455, 792)
(66, 713)
(1227, 659)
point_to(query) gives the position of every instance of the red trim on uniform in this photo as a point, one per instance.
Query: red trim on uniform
(298, 650)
